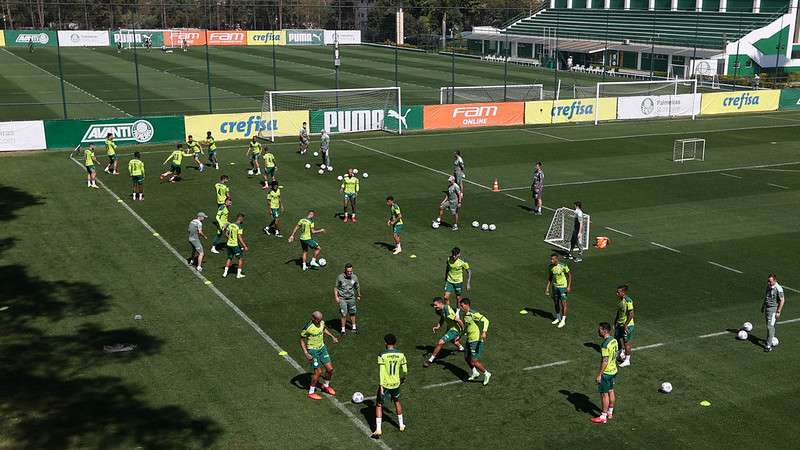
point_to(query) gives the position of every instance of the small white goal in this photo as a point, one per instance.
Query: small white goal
(562, 228)
(689, 150)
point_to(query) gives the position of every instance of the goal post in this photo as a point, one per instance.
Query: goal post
(562, 226)
(338, 110)
(500, 93)
(692, 149)
(665, 90)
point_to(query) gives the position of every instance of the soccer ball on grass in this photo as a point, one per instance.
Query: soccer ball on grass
(340, 178)
(322, 262)
(485, 227)
(747, 326)
(365, 175)
(308, 166)
(320, 171)
(358, 397)
(316, 153)
(476, 224)
(666, 387)
(492, 227)
(435, 225)
(741, 335)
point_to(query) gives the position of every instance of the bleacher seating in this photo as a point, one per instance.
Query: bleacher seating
(677, 28)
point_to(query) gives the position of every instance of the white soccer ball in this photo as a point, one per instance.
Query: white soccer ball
(484, 227)
(316, 153)
(492, 227)
(666, 387)
(320, 171)
(308, 166)
(250, 173)
(476, 224)
(340, 178)
(435, 225)
(330, 168)
(741, 335)
(322, 262)
(365, 175)
(747, 326)
(323, 167)
(775, 341)
(355, 170)
(358, 397)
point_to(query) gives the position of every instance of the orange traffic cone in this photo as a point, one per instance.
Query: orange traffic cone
(495, 186)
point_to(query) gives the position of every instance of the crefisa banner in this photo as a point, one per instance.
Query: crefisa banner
(651, 106)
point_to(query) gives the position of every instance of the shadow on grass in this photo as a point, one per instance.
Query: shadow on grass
(592, 345)
(540, 313)
(301, 381)
(457, 371)
(386, 245)
(581, 402)
(367, 410)
(753, 339)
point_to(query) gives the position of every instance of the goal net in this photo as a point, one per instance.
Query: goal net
(653, 98)
(689, 150)
(479, 94)
(563, 225)
(339, 110)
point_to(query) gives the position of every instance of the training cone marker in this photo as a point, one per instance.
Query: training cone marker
(413, 256)
(283, 353)
(137, 317)
(208, 282)
(156, 234)
(523, 311)
(705, 403)
(119, 201)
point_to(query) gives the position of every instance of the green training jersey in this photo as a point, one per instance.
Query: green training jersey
(136, 167)
(194, 147)
(89, 155)
(234, 231)
(455, 270)
(177, 157)
(472, 329)
(608, 350)
(111, 147)
(222, 216)
(350, 184)
(211, 143)
(393, 368)
(223, 191)
(306, 226)
(255, 148)
(395, 212)
(558, 275)
(449, 316)
(269, 160)
(624, 309)
(313, 335)
(274, 198)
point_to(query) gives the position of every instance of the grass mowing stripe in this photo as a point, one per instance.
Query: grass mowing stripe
(553, 364)
(267, 338)
(665, 247)
(532, 131)
(618, 231)
(725, 267)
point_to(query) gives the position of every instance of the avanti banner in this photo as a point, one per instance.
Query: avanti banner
(39, 38)
(126, 131)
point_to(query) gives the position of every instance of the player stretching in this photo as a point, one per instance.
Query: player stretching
(307, 232)
(275, 210)
(304, 139)
(195, 150)
(174, 171)
(577, 234)
(254, 150)
(607, 373)
(451, 202)
(458, 169)
(476, 337)
(350, 187)
(454, 275)
(395, 222)
(89, 161)
(624, 324)
(559, 284)
(236, 246)
(312, 341)
(221, 222)
(270, 166)
(211, 148)
(111, 152)
(136, 170)
(393, 368)
(222, 190)
(324, 148)
(448, 316)
(537, 183)
(346, 292)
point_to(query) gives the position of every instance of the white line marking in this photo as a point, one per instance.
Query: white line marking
(528, 130)
(788, 321)
(645, 347)
(446, 383)
(718, 130)
(725, 267)
(790, 289)
(647, 177)
(618, 231)
(665, 247)
(730, 175)
(719, 333)
(786, 118)
(542, 366)
(777, 186)
(267, 338)
(778, 170)
(66, 82)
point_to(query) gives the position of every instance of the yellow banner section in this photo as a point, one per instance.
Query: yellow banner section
(740, 102)
(2, 39)
(225, 127)
(564, 111)
(268, 37)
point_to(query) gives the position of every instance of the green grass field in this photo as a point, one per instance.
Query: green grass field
(77, 265)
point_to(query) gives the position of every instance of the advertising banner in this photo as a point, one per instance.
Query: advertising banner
(126, 131)
(21, 38)
(471, 115)
(192, 36)
(790, 99)
(28, 135)
(227, 37)
(277, 37)
(567, 111)
(305, 37)
(740, 102)
(344, 37)
(2, 39)
(84, 38)
(244, 125)
(651, 106)
(357, 120)
(129, 37)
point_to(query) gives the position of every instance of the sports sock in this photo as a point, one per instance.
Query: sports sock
(400, 420)
(604, 415)
(475, 371)
(313, 260)
(225, 272)
(611, 410)
(378, 424)
(325, 383)
(461, 348)
(431, 358)
(343, 330)
(238, 271)
(354, 326)
(311, 389)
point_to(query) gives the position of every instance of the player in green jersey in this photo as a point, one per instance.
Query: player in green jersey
(136, 170)
(89, 160)
(221, 222)
(559, 284)
(395, 222)
(350, 187)
(307, 241)
(624, 324)
(211, 148)
(607, 373)
(195, 150)
(111, 152)
(275, 205)
(270, 166)
(312, 341)
(448, 316)
(236, 245)
(454, 276)
(254, 151)
(476, 339)
(222, 190)
(176, 158)
(393, 368)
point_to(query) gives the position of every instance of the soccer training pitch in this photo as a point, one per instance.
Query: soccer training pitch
(695, 242)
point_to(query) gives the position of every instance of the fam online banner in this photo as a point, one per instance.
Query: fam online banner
(472, 115)
(567, 111)
(227, 37)
(740, 101)
(244, 125)
(192, 36)
(266, 37)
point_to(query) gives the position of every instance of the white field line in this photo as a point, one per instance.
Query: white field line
(778, 170)
(663, 175)
(670, 133)
(542, 366)
(725, 267)
(777, 186)
(705, 336)
(645, 347)
(734, 176)
(790, 289)
(67, 82)
(267, 338)
(551, 136)
(786, 118)
(618, 231)
(446, 383)
(783, 322)
(665, 247)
